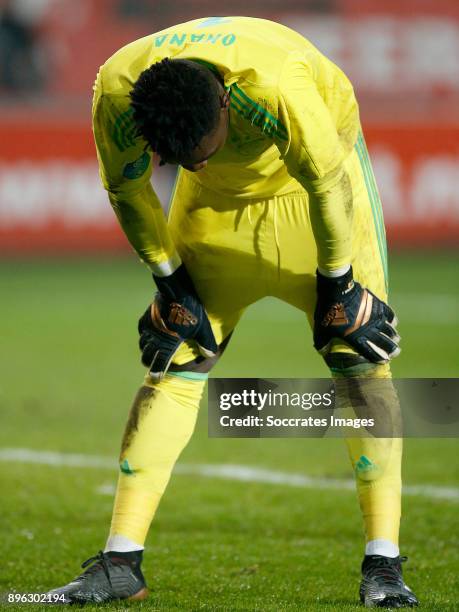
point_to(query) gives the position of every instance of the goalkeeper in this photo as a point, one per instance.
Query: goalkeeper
(275, 195)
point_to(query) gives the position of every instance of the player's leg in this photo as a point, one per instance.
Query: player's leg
(160, 424)
(378, 488)
(376, 461)
(224, 248)
(163, 414)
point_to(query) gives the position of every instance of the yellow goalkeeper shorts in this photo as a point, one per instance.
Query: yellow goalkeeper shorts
(240, 250)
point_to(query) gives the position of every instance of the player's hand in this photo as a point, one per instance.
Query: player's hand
(176, 315)
(348, 311)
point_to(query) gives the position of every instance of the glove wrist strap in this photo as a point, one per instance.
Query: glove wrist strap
(177, 285)
(335, 288)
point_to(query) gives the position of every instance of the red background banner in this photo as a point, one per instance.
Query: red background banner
(51, 198)
(402, 57)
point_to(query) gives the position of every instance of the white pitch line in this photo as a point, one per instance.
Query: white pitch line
(241, 473)
(27, 455)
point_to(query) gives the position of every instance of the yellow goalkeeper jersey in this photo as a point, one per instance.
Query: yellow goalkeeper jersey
(293, 118)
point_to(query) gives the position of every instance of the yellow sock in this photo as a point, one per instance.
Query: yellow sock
(377, 464)
(377, 461)
(160, 424)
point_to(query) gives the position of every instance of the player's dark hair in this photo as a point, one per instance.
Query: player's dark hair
(176, 103)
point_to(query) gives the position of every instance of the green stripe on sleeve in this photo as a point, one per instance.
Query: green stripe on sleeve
(238, 110)
(373, 195)
(235, 101)
(262, 110)
(124, 130)
(379, 207)
(255, 110)
(374, 201)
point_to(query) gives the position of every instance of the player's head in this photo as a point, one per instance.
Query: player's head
(181, 110)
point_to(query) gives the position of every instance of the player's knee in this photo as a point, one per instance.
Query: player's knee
(200, 365)
(353, 365)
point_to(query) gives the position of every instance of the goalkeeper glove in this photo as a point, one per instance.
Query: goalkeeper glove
(347, 311)
(176, 315)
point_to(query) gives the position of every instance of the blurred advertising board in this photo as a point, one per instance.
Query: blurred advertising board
(51, 199)
(389, 53)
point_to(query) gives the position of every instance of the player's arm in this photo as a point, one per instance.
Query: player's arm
(314, 154)
(125, 168)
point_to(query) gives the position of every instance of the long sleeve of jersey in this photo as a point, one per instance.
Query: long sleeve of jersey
(316, 150)
(125, 169)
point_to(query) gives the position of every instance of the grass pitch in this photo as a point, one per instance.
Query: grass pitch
(69, 369)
